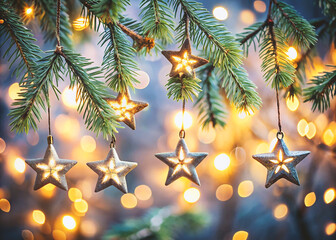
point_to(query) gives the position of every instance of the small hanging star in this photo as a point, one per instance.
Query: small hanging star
(181, 163)
(125, 108)
(280, 163)
(112, 171)
(51, 169)
(183, 62)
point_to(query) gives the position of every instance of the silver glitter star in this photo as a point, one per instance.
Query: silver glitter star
(280, 163)
(182, 163)
(51, 169)
(112, 171)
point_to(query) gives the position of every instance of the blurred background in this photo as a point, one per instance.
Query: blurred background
(231, 203)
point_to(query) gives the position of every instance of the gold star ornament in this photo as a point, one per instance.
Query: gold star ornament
(183, 62)
(280, 163)
(182, 163)
(112, 171)
(126, 108)
(51, 169)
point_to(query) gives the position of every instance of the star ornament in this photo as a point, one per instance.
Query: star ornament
(182, 163)
(112, 171)
(126, 108)
(183, 61)
(51, 169)
(280, 163)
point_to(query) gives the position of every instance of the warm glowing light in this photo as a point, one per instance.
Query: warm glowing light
(192, 195)
(4, 205)
(242, 114)
(310, 199)
(292, 103)
(29, 10)
(187, 120)
(69, 222)
(38, 216)
(259, 6)
(69, 98)
(245, 188)
(27, 235)
(220, 13)
(81, 206)
(88, 228)
(292, 53)
(262, 148)
(222, 162)
(128, 200)
(2, 145)
(329, 195)
(47, 191)
(311, 131)
(122, 108)
(143, 79)
(88, 143)
(240, 235)
(184, 63)
(280, 211)
(58, 235)
(74, 194)
(224, 192)
(330, 228)
(143, 192)
(19, 165)
(80, 24)
(67, 127)
(1, 21)
(247, 17)
(51, 169)
(281, 162)
(13, 91)
(302, 127)
(206, 136)
(328, 137)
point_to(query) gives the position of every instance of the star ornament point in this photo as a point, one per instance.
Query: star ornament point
(183, 61)
(112, 171)
(182, 163)
(51, 169)
(281, 163)
(125, 108)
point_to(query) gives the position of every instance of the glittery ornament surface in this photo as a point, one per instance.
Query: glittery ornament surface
(125, 108)
(51, 169)
(112, 171)
(183, 62)
(182, 163)
(280, 163)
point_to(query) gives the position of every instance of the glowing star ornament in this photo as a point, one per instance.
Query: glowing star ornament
(112, 171)
(182, 163)
(280, 163)
(125, 108)
(51, 169)
(183, 62)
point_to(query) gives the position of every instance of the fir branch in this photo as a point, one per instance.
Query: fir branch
(276, 66)
(46, 13)
(183, 88)
(118, 59)
(21, 48)
(210, 102)
(97, 114)
(108, 11)
(293, 25)
(34, 93)
(157, 20)
(321, 90)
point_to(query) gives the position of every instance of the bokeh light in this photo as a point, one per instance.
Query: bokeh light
(220, 13)
(310, 199)
(58, 235)
(19, 165)
(48, 190)
(80, 24)
(143, 192)
(292, 103)
(328, 137)
(5, 205)
(27, 235)
(224, 192)
(302, 127)
(88, 228)
(74, 194)
(143, 79)
(311, 131)
(259, 6)
(38, 217)
(292, 53)
(245, 188)
(329, 195)
(247, 17)
(206, 136)
(240, 235)
(69, 222)
(280, 211)
(128, 200)
(2, 145)
(330, 228)
(187, 119)
(13, 91)
(88, 143)
(29, 10)
(192, 195)
(222, 161)
(69, 97)
(81, 206)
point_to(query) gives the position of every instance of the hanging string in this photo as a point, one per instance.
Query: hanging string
(280, 133)
(113, 141)
(58, 19)
(49, 125)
